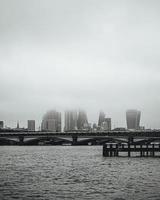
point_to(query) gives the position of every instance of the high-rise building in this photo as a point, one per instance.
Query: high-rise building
(95, 126)
(101, 118)
(70, 121)
(31, 125)
(51, 121)
(17, 125)
(51, 125)
(1, 124)
(133, 119)
(106, 125)
(82, 122)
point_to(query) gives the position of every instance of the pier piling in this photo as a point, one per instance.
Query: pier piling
(110, 149)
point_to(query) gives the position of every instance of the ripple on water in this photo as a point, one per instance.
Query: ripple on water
(75, 173)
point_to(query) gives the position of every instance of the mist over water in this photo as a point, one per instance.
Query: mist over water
(61, 172)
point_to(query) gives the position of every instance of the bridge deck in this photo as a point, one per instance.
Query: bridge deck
(13, 133)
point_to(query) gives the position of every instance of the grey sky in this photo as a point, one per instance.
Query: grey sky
(90, 54)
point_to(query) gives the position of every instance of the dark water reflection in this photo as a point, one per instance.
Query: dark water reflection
(65, 172)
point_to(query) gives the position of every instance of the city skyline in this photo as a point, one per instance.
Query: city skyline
(78, 120)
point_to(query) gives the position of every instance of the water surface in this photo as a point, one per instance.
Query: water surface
(75, 172)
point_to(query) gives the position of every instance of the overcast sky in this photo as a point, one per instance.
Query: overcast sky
(89, 54)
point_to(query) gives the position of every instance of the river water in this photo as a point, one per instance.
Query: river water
(75, 172)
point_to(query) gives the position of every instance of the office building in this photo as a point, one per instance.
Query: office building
(101, 118)
(51, 121)
(70, 121)
(82, 121)
(31, 125)
(133, 119)
(106, 125)
(51, 125)
(1, 124)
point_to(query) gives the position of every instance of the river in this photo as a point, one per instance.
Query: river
(75, 172)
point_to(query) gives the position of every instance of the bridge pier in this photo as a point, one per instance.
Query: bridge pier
(74, 140)
(21, 140)
(110, 150)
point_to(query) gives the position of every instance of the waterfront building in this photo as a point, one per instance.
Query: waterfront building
(82, 121)
(51, 121)
(1, 124)
(31, 125)
(133, 119)
(70, 121)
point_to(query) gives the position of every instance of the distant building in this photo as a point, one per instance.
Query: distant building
(142, 128)
(18, 128)
(133, 119)
(94, 126)
(106, 125)
(70, 121)
(17, 125)
(51, 125)
(103, 122)
(82, 121)
(1, 124)
(101, 118)
(51, 121)
(31, 125)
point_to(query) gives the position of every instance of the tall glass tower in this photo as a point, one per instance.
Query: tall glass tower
(101, 118)
(70, 120)
(133, 119)
(82, 122)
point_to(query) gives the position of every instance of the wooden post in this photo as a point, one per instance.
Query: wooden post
(21, 140)
(117, 150)
(104, 150)
(130, 140)
(129, 150)
(111, 150)
(153, 150)
(141, 150)
(74, 140)
(147, 150)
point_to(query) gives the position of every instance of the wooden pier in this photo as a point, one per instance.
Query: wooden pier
(145, 150)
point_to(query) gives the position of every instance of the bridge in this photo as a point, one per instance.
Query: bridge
(24, 137)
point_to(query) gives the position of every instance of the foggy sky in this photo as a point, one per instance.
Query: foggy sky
(88, 54)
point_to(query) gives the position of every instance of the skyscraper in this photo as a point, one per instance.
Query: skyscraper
(51, 121)
(31, 125)
(106, 125)
(133, 119)
(101, 118)
(1, 124)
(70, 121)
(82, 122)
(17, 125)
